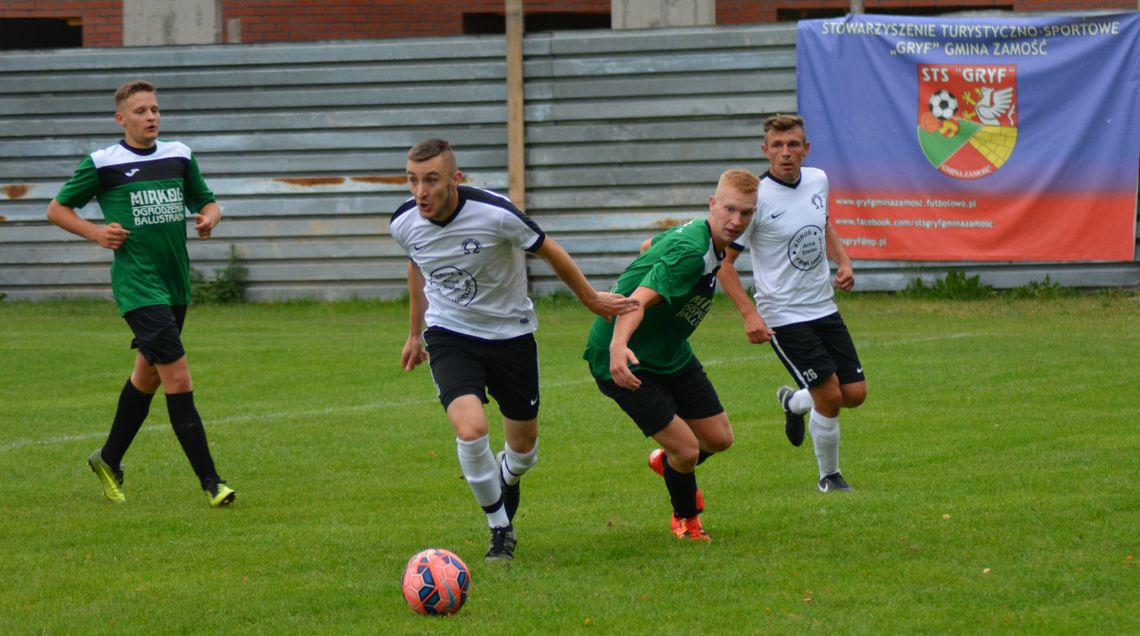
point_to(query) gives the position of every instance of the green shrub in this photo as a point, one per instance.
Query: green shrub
(228, 286)
(955, 286)
(1041, 290)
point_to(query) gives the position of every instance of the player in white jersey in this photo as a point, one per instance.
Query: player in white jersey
(467, 285)
(792, 240)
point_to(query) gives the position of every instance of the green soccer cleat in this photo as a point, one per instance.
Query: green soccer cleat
(219, 493)
(112, 480)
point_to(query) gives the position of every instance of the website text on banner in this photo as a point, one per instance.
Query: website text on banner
(976, 139)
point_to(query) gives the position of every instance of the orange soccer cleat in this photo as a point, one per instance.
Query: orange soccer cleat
(689, 528)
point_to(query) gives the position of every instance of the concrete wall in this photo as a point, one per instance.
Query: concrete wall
(171, 22)
(657, 14)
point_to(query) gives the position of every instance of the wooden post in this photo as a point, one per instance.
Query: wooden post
(516, 124)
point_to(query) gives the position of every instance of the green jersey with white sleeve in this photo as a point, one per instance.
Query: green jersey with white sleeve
(681, 267)
(147, 192)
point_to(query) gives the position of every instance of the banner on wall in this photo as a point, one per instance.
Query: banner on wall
(976, 139)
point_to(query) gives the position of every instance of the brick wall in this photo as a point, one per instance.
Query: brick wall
(757, 11)
(1074, 5)
(102, 19)
(300, 20)
(308, 20)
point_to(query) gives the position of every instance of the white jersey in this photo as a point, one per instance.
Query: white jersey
(789, 250)
(473, 265)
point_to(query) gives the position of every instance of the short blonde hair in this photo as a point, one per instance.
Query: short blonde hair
(740, 180)
(125, 91)
(782, 123)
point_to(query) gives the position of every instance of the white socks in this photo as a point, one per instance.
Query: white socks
(482, 474)
(825, 437)
(801, 401)
(516, 464)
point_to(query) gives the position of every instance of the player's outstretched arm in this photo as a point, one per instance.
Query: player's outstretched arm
(755, 328)
(413, 353)
(845, 274)
(110, 236)
(604, 304)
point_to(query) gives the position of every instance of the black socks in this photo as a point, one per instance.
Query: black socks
(134, 405)
(187, 426)
(682, 490)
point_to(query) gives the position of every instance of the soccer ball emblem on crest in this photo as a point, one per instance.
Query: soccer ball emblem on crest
(967, 117)
(436, 582)
(943, 104)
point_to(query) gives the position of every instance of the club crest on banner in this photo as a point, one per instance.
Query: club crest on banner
(967, 117)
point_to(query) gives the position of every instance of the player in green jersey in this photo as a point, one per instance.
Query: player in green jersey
(643, 361)
(144, 186)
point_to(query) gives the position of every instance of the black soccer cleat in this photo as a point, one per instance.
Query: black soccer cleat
(503, 541)
(834, 483)
(793, 422)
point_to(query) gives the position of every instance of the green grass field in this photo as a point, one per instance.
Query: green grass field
(995, 463)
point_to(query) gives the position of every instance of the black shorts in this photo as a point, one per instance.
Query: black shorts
(158, 332)
(465, 365)
(688, 394)
(814, 350)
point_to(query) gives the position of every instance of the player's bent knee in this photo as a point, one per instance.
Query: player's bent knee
(720, 443)
(829, 405)
(854, 395)
(683, 459)
(469, 435)
(827, 397)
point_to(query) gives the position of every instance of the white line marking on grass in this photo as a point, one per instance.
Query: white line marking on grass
(949, 336)
(233, 419)
(379, 406)
(47, 441)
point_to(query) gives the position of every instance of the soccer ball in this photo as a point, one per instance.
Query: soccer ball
(943, 104)
(436, 582)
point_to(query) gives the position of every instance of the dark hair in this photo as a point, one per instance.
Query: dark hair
(130, 88)
(428, 148)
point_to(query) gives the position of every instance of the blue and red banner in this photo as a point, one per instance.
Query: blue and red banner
(976, 139)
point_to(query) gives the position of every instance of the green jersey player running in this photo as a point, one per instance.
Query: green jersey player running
(144, 187)
(643, 360)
